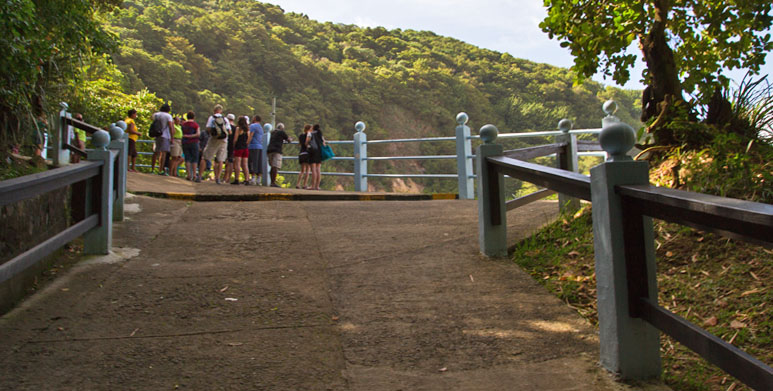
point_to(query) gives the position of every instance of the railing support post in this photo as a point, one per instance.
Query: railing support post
(62, 135)
(360, 157)
(568, 161)
(463, 162)
(120, 144)
(265, 178)
(99, 239)
(492, 221)
(629, 346)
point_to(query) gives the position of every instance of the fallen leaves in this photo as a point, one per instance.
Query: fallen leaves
(710, 322)
(737, 325)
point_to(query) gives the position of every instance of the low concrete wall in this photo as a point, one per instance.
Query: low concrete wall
(23, 225)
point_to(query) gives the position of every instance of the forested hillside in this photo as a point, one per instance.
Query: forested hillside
(241, 53)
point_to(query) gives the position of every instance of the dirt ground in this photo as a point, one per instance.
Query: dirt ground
(299, 296)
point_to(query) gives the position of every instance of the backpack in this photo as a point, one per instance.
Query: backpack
(218, 128)
(313, 146)
(156, 127)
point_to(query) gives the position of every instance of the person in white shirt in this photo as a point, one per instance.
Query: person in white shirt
(217, 147)
(164, 141)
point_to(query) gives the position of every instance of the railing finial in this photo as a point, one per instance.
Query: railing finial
(489, 133)
(100, 139)
(359, 126)
(115, 132)
(121, 124)
(565, 125)
(610, 107)
(617, 139)
(64, 106)
(462, 118)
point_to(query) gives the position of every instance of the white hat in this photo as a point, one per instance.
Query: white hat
(230, 116)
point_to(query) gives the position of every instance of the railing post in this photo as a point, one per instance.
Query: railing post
(265, 178)
(360, 157)
(629, 346)
(99, 239)
(62, 135)
(567, 161)
(492, 221)
(463, 162)
(119, 143)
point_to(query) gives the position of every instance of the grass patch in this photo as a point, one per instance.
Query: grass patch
(720, 285)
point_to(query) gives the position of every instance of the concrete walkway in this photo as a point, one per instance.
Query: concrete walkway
(278, 295)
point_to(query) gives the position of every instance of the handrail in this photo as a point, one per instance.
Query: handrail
(90, 129)
(562, 181)
(727, 216)
(29, 186)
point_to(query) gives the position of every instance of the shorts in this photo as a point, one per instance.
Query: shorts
(303, 158)
(162, 144)
(191, 152)
(275, 159)
(242, 153)
(132, 148)
(216, 149)
(177, 148)
(254, 161)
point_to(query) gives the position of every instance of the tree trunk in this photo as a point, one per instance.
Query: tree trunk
(664, 88)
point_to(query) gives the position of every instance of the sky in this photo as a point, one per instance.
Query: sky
(508, 26)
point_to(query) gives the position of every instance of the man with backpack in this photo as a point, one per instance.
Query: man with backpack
(217, 147)
(161, 128)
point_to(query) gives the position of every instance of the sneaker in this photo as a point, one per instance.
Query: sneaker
(274, 185)
(253, 182)
(235, 182)
(197, 180)
(217, 181)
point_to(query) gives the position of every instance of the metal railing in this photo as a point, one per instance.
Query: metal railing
(464, 157)
(623, 205)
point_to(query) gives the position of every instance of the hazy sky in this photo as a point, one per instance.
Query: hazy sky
(510, 26)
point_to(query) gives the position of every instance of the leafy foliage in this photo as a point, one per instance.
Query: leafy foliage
(706, 36)
(43, 43)
(402, 83)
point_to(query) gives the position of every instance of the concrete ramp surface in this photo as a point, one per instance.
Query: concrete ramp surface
(279, 295)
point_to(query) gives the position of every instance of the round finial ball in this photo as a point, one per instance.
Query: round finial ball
(64, 105)
(268, 128)
(121, 125)
(488, 133)
(617, 139)
(462, 118)
(610, 107)
(565, 125)
(100, 139)
(359, 126)
(115, 132)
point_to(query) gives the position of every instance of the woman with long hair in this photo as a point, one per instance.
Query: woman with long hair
(303, 157)
(314, 144)
(241, 152)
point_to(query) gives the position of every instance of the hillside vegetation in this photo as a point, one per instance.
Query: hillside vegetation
(402, 83)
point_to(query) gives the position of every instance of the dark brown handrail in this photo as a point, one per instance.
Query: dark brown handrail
(22, 188)
(562, 181)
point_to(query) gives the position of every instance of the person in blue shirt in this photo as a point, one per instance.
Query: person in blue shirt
(255, 146)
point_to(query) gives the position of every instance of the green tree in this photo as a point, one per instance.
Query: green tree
(685, 43)
(43, 44)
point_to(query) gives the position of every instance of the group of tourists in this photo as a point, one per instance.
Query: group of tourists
(230, 146)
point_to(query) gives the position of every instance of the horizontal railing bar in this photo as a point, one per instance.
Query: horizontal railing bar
(562, 181)
(534, 152)
(587, 146)
(426, 157)
(411, 176)
(88, 128)
(748, 219)
(528, 199)
(323, 173)
(16, 265)
(732, 360)
(585, 131)
(29, 186)
(410, 140)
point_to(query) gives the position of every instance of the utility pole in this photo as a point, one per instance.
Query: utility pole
(273, 113)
